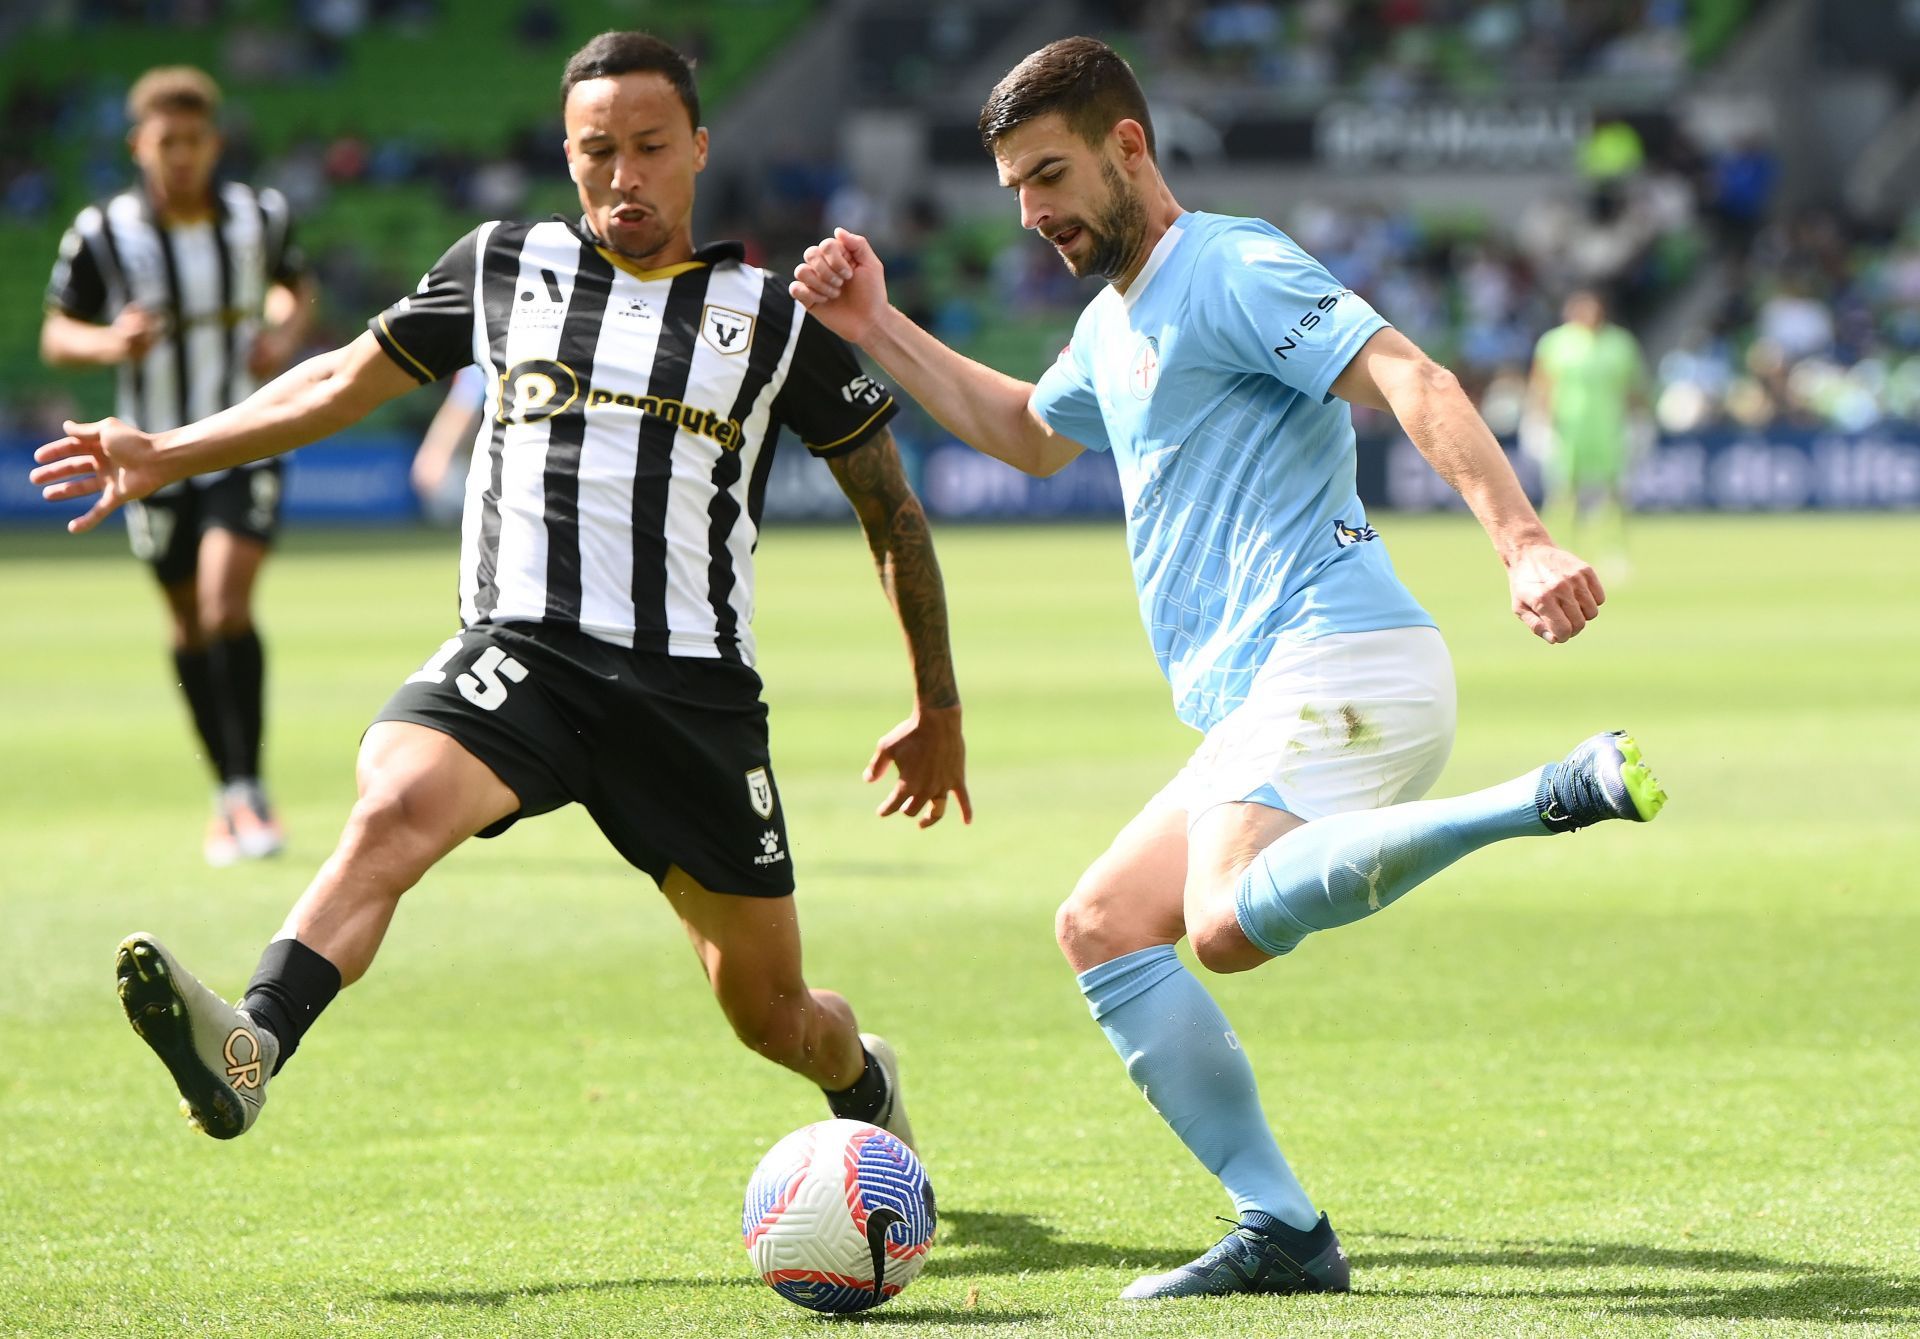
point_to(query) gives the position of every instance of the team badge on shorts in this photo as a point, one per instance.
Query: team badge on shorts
(760, 792)
(725, 329)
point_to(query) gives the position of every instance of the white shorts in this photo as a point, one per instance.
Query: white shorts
(1356, 720)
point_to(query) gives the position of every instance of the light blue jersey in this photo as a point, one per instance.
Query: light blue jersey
(1209, 381)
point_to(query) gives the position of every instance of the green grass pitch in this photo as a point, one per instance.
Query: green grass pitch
(1637, 1081)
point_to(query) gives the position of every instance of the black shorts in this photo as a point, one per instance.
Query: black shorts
(668, 753)
(165, 530)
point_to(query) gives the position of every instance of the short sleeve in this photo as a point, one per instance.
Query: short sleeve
(430, 331)
(827, 399)
(1262, 305)
(1065, 401)
(286, 262)
(77, 287)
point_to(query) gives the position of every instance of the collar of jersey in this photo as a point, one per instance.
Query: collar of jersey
(216, 209)
(1155, 259)
(713, 253)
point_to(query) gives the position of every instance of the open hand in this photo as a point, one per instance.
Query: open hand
(930, 757)
(112, 459)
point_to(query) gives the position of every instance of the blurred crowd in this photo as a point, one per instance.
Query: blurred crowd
(1820, 328)
(1817, 320)
(1394, 50)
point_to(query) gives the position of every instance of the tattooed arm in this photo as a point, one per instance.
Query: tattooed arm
(926, 748)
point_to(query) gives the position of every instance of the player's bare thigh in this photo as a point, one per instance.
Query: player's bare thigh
(1223, 842)
(1129, 898)
(421, 795)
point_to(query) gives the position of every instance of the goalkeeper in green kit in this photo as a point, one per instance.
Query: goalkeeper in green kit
(1589, 404)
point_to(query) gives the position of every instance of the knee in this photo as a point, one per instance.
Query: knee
(386, 832)
(1221, 945)
(189, 634)
(1094, 924)
(222, 618)
(1076, 926)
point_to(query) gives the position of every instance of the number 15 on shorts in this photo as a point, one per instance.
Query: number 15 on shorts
(482, 683)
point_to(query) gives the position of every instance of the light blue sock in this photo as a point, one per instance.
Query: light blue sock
(1341, 868)
(1183, 1056)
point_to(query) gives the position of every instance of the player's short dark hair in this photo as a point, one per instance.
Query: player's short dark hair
(1081, 78)
(614, 53)
(172, 88)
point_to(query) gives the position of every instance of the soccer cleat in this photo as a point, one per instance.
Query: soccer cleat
(1260, 1255)
(1605, 777)
(219, 1057)
(219, 846)
(256, 833)
(893, 1116)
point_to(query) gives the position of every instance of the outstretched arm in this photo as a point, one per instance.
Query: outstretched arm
(842, 283)
(120, 463)
(926, 748)
(1554, 592)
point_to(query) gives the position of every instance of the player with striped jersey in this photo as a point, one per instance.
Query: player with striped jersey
(192, 289)
(1213, 368)
(636, 386)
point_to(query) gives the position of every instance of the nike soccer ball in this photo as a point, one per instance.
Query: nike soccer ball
(839, 1216)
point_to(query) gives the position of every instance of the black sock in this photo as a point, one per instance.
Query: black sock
(195, 671)
(289, 989)
(867, 1099)
(240, 672)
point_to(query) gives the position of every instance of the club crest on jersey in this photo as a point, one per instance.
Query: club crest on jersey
(1144, 375)
(726, 330)
(760, 792)
(1345, 535)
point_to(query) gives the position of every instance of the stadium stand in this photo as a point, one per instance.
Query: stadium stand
(1462, 163)
(392, 125)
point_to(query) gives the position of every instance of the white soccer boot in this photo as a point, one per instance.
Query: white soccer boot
(219, 1057)
(893, 1116)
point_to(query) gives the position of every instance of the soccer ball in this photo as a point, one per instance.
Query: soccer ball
(839, 1216)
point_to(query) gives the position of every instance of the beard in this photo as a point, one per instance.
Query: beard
(640, 243)
(1115, 232)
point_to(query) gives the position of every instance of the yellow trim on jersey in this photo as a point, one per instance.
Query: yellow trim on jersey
(402, 351)
(828, 446)
(619, 261)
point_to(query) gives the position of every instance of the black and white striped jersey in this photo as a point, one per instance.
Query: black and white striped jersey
(621, 464)
(206, 281)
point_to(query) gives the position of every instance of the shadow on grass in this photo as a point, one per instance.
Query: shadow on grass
(896, 1314)
(502, 1296)
(1018, 1243)
(937, 1315)
(1797, 1290)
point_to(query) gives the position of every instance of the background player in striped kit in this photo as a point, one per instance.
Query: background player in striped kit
(636, 385)
(167, 282)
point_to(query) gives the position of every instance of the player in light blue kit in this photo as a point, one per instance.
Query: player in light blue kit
(1211, 369)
